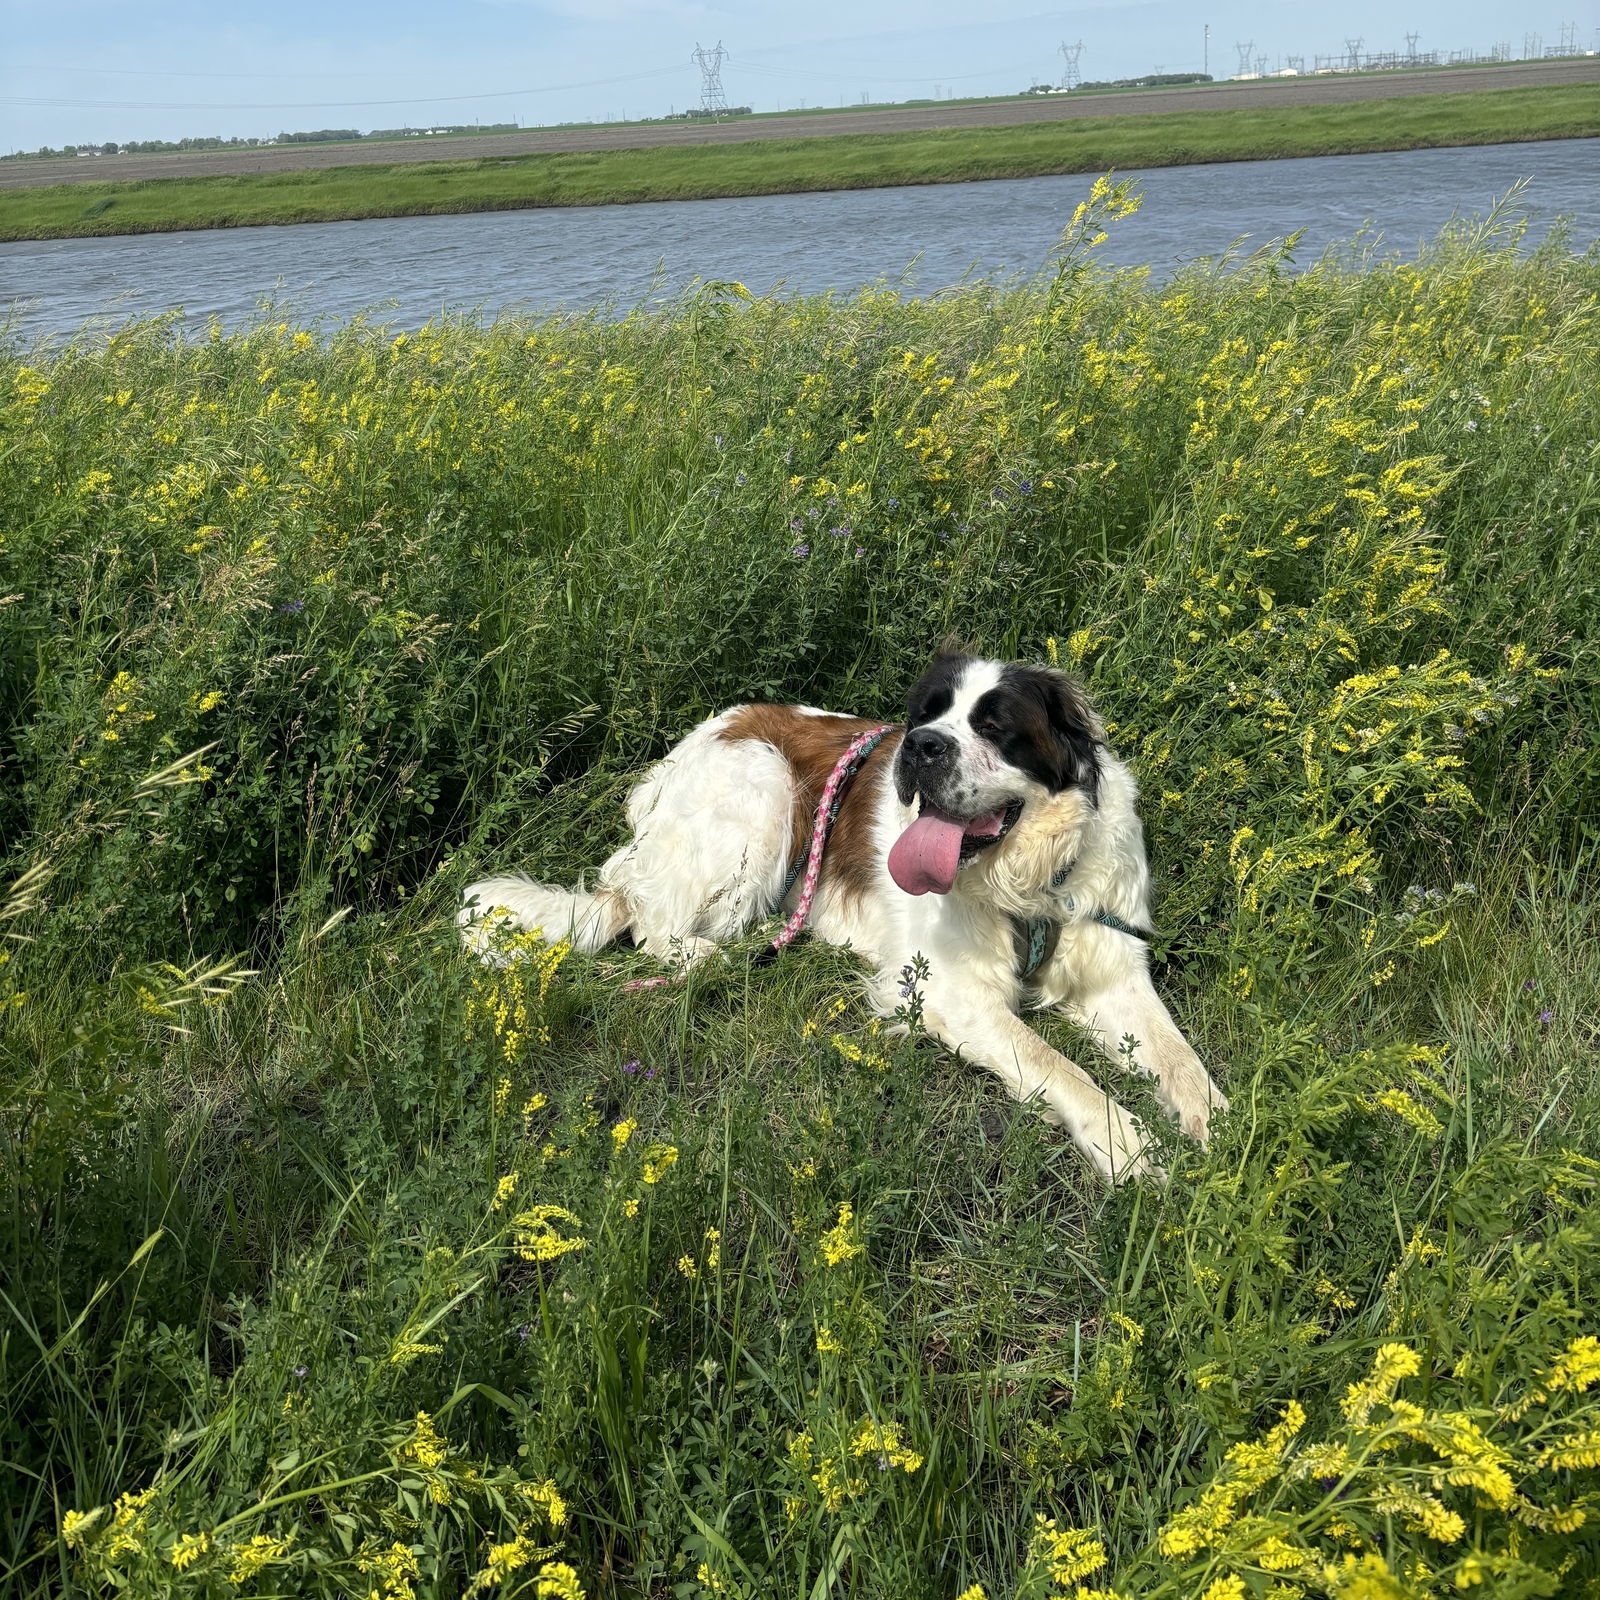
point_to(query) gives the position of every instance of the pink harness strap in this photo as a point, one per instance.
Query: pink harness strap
(827, 808)
(843, 771)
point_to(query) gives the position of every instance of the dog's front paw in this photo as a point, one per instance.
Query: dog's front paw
(1119, 1147)
(1194, 1112)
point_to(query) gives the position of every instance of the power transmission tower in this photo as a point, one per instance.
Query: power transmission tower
(1353, 56)
(1070, 53)
(1411, 47)
(1244, 55)
(713, 102)
(1261, 66)
(1530, 46)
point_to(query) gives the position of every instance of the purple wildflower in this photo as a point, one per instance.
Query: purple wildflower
(797, 524)
(300, 1372)
(740, 481)
(291, 608)
(631, 1066)
(1546, 1018)
(1530, 985)
(649, 1072)
(802, 550)
(892, 503)
(524, 1330)
(860, 551)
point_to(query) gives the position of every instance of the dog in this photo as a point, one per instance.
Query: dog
(995, 831)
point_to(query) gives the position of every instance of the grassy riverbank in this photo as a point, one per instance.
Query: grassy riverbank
(860, 161)
(335, 1265)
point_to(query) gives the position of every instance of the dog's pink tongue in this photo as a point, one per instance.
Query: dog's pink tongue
(926, 857)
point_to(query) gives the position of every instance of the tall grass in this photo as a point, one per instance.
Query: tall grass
(337, 1265)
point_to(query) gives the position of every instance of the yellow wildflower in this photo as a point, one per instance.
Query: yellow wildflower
(838, 1244)
(1393, 1362)
(657, 1158)
(883, 1441)
(426, 1446)
(189, 1548)
(1574, 1450)
(623, 1132)
(1068, 1553)
(1578, 1366)
(536, 1235)
(75, 1525)
(547, 1498)
(394, 1568)
(249, 1559)
(557, 1581)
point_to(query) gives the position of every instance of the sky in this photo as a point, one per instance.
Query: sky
(82, 71)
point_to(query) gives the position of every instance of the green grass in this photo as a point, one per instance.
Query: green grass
(857, 161)
(306, 627)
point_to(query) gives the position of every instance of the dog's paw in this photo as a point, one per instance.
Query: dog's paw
(1195, 1112)
(1120, 1148)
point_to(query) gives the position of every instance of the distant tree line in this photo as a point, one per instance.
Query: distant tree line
(1151, 80)
(700, 114)
(441, 127)
(140, 147)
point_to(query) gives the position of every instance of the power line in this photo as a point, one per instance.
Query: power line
(712, 100)
(1070, 54)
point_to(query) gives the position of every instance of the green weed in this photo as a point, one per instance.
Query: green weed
(336, 1264)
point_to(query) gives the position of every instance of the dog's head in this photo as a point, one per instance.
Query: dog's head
(984, 740)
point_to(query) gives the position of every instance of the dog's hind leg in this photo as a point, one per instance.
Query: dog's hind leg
(590, 921)
(713, 830)
(712, 835)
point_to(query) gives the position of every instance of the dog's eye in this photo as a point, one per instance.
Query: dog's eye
(986, 728)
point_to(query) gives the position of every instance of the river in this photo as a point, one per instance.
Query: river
(407, 269)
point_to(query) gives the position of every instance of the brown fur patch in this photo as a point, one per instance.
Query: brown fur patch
(812, 747)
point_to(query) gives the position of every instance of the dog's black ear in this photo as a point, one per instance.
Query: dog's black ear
(932, 693)
(1074, 729)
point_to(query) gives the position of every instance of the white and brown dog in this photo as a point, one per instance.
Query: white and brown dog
(994, 832)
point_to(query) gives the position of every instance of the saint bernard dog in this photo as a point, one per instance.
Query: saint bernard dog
(995, 826)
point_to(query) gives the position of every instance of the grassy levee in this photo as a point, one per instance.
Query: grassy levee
(856, 161)
(336, 1264)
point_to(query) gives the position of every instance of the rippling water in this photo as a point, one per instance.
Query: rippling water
(409, 268)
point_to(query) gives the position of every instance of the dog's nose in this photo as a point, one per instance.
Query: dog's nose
(927, 745)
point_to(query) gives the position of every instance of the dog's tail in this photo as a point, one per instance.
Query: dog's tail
(589, 919)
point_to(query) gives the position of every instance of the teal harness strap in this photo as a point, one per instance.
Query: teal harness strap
(1035, 939)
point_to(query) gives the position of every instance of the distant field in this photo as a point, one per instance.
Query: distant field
(819, 122)
(778, 166)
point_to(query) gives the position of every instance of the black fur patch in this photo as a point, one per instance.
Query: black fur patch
(932, 693)
(1039, 722)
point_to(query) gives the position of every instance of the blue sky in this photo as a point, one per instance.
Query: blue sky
(93, 70)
